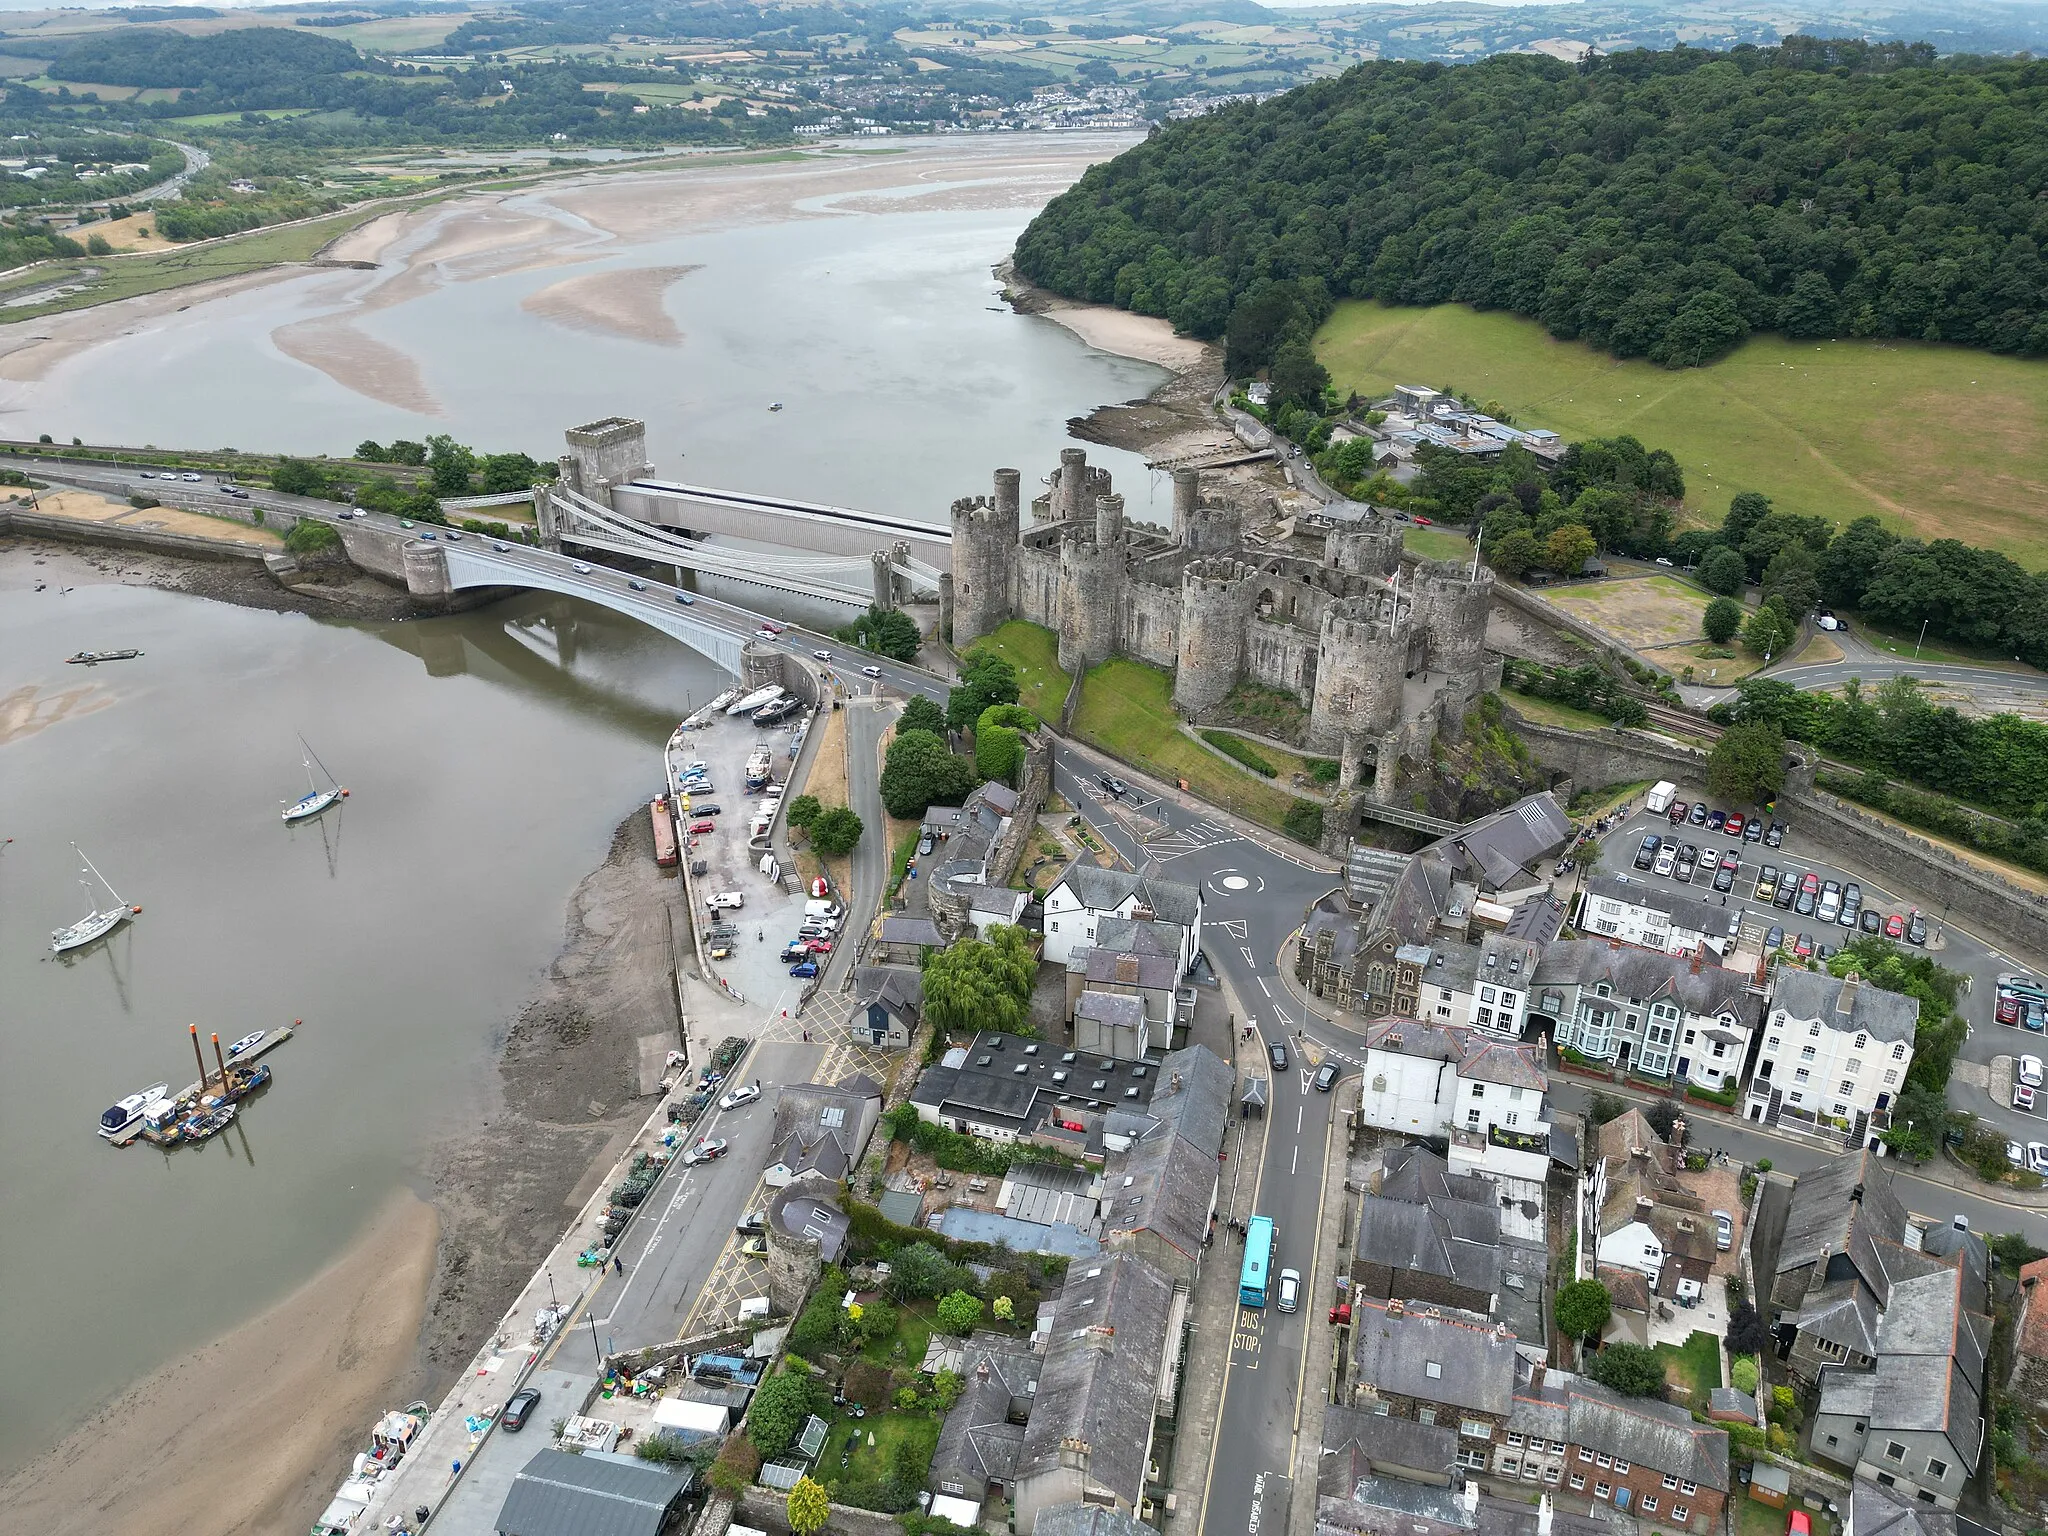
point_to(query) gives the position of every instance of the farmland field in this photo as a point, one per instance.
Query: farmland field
(1936, 440)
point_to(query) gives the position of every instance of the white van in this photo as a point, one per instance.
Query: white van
(818, 909)
(727, 901)
(769, 866)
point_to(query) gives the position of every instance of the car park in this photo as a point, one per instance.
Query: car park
(1716, 820)
(746, 1093)
(1697, 816)
(1290, 1290)
(1767, 883)
(2028, 1070)
(708, 1150)
(804, 970)
(1276, 1053)
(1733, 826)
(2023, 1098)
(1724, 1231)
(2037, 1156)
(1667, 856)
(1326, 1076)
(518, 1409)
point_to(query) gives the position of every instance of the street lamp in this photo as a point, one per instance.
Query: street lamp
(1923, 636)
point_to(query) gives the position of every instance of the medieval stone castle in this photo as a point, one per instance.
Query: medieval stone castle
(1384, 658)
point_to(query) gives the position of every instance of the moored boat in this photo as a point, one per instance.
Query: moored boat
(124, 1116)
(208, 1123)
(94, 658)
(96, 923)
(247, 1043)
(317, 798)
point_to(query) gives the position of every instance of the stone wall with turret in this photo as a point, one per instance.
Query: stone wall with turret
(1372, 548)
(1153, 619)
(1451, 607)
(603, 454)
(985, 530)
(1215, 600)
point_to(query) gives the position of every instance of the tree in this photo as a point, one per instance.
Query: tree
(1568, 549)
(809, 1507)
(1792, 579)
(987, 679)
(777, 1416)
(370, 451)
(1515, 555)
(1747, 1334)
(803, 811)
(449, 466)
(836, 831)
(921, 714)
(1602, 1107)
(1722, 618)
(736, 1466)
(1852, 559)
(917, 1270)
(919, 772)
(1769, 630)
(1005, 1309)
(405, 451)
(1298, 379)
(959, 1311)
(1582, 1309)
(980, 984)
(886, 631)
(1707, 325)
(1723, 570)
(296, 477)
(1633, 1370)
(1747, 765)
(998, 753)
(947, 1387)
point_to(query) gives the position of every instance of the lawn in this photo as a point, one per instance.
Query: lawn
(1035, 652)
(1902, 643)
(1127, 708)
(1550, 712)
(1940, 441)
(915, 1428)
(1694, 1365)
(1755, 1518)
(1724, 669)
(914, 1327)
(1639, 611)
(1436, 543)
(1287, 764)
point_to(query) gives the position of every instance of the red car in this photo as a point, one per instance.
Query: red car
(1894, 927)
(1804, 947)
(2008, 1008)
(818, 946)
(706, 825)
(1679, 811)
(1733, 825)
(1422, 522)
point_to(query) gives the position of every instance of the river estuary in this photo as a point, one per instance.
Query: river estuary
(486, 772)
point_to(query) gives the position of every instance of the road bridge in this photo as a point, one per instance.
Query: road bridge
(780, 520)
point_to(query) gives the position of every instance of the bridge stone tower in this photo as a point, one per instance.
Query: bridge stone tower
(1451, 605)
(1359, 662)
(1215, 606)
(1091, 588)
(603, 454)
(985, 530)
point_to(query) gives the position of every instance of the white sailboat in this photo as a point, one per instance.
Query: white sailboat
(96, 923)
(315, 799)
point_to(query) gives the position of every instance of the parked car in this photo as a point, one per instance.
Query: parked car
(1788, 892)
(804, 970)
(1290, 1284)
(1667, 856)
(1803, 903)
(2036, 1017)
(796, 953)
(2037, 1156)
(1326, 1076)
(1679, 811)
(703, 826)
(740, 1097)
(1724, 878)
(2016, 1154)
(519, 1409)
(1724, 1231)
(1776, 836)
(1733, 826)
(818, 946)
(1895, 927)
(1872, 920)
(1716, 820)
(706, 1151)
(1803, 946)
(1647, 854)
(2023, 1098)
(751, 1223)
(1688, 861)
(1753, 830)
(2028, 1069)
(1916, 928)
(1697, 816)
(1774, 941)
(1767, 883)
(1276, 1052)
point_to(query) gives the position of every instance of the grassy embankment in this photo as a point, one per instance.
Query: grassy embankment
(1436, 544)
(1035, 653)
(1550, 712)
(1939, 441)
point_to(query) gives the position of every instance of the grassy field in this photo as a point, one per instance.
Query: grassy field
(1724, 669)
(1936, 440)
(1550, 712)
(1035, 652)
(890, 1429)
(1127, 707)
(1287, 764)
(1641, 611)
(1436, 543)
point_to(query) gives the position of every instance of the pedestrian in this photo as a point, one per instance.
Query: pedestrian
(618, 1265)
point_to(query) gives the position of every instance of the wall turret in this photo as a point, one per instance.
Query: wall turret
(1070, 486)
(1215, 605)
(1451, 605)
(1372, 548)
(985, 533)
(1187, 500)
(1109, 520)
(1359, 660)
(1211, 529)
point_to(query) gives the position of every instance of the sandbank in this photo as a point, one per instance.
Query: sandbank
(31, 348)
(358, 361)
(1148, 338)
(243, 1435)
(625, 303)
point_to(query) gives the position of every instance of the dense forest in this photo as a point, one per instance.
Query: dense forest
(254, 59)
(1656, 204)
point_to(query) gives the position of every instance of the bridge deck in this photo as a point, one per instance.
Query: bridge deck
(743, 514)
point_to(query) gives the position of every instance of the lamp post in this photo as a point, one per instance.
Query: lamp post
(1923, 637)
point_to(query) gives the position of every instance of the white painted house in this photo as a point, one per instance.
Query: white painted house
(1088, 893)
(1635, 912)
(1835, 1051)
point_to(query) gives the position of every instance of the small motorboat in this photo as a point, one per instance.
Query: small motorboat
(246, 1043)
(211, 1123)
(775, 405)
(121, 1118)
(94, 658)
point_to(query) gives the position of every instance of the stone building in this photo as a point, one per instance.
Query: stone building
(1384, 659)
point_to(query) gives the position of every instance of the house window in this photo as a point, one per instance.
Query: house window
(1479, 1090)
(1898, 1053)
(1486, 1015)
(1552, 1474)
(1585, 1453)
(1054, 925)
(1601, 1491)
(1861, 1041)
(1507, 1000)
(1514, 1437)
(1486, 994)
(1670, 1481)
(1814, 1030)
(1474, 1460)
(1510, 1465)
(1606, 1460)
(1890, 1078)
(952, 1488)
(1425, 1415)
(1855, 1064)
(1936, 1467)
(1772, 1043)
(1801, 1075)
(1471, 1117)
(1578, 1481)
(1649, 1503)
(1476, 1429)
(1806, 1053)
(1846, 1089)
(1678, 1514)
(1620, 1465)
(1688, 1487)
(1380, 1408)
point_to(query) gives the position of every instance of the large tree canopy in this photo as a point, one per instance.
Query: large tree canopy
(1655, 204)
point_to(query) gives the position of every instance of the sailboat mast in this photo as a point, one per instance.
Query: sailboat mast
(316, 758)
(98, 876)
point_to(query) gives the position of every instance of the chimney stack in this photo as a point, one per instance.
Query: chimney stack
(1819, 1277)
(1395, 1309)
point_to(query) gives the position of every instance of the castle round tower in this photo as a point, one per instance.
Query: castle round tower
(984, 552)
(1358, 671)
(1215, 605)
(1211, 530)
(1091, 602)
(1451, 605)
(1373, 548)
(1070, 486)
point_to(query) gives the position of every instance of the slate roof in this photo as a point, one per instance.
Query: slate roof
(1354, 1442)
(981, 1081)
(1929, 1371)
(997, 1375)
(1104, 890)
(1875, 1510)
(1648, 975)
(1847, 1005)
(1100, 1381)
(1153, 971)
(1538, 920)
(557, 1494)
(1139, 936)
(820, 1128)
(1453, 1239)
(1166, 1181)
(1711, 920)
(1088, 1520)
(1434, 1354)
(1646, 1431)
(912, 930)
(1112, 1010)
(1388, 1506)
(804, 1213)
(898, 988)
(1501, 847)
(1835, 1202)
(1414, 1173)
(1480, 1056)
(1193, 1096)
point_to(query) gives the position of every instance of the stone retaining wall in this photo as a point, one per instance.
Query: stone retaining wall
(156, 540)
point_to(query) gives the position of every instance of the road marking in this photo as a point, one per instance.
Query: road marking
(1294, 1162)
(1298, 1113)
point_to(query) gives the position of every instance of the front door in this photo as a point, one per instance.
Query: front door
(1684, 1068)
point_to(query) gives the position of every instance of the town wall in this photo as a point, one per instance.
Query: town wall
(1152, 624)
(1036, 586)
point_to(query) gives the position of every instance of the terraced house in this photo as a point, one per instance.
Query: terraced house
(1658, 1015)
(1637, 1455)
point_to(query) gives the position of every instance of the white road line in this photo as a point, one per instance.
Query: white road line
(1264, 988)
(1294, 1162)
(1297, 1118)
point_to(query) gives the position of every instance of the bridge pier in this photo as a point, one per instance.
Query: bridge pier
(885, 579)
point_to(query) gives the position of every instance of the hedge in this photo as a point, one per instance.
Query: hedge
(1242, 750)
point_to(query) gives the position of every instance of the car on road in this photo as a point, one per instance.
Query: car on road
(745, 1094)
(581, 569)
(1647, 854)
(1326, 1076)
(1753, 831)
(709, 1150)
(1872, 920)
(1716, 820)
(636, 584)
(519, 1409)
(1276, 1053)
(241, 495)
(190, 478)
(1776, 836)
(452, 536)
(149, 474)
(500, 548)
(1724, 1231)
(2028, 1070)
(822, 655)
(1774, 941)
(2037, 1156)
(871, 671)
(1697, 816)
(1767, 883)
(1803, 946)
(1290, 1289)
(1664, 560)
(1667, 856)
(1895, 927)
(805, 970)
(2023, 1098)
(1116, 786)
(428, 534)
(685, 599)
(1733, 826)
(2016, 1154)
(1916, 928)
